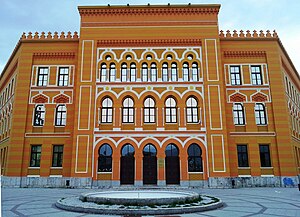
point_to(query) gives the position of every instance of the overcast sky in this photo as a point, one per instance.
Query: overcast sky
(18, 16)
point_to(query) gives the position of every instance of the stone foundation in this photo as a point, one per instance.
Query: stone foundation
(212, 182)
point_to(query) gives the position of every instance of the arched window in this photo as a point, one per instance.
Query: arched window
(195, 158)
(171, 151)
(153, 72)
(132, 72)
(171, 110)
(105, 158)
(195, 72)
(107, 111)
(103, 72)
(238, 114)
(165, 72)
(61, 115)
(128, 110)
(149, 151)
(112, 72)
(185, 72)
(149, 110)
(144, 72)
(124, 72)
(192, 110)
(128, 150)
(260, 114)
(39, 115)
(174, 72)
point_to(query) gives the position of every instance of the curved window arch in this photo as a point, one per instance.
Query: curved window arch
(105, 158)
(195, 158)
(60, 115)
(144, 72)
(39, 115)
(174, 75)
(260, 114)
(149, 110)
(127, 150)
(103, 72)
(192, 110)
(112, 72)
(185, 71)
(132, 72)
(124, 72)
(153, 72)
(172, 150)
(171, 110)
(238, 114)
(165, 72)
(149, 150)
(107, 110)
(128, 110)
(195, 76)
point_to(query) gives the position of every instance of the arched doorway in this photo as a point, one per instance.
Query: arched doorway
(172, 165)
(149, 165)
(127, 165)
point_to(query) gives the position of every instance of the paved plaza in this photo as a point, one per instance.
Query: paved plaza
(238, 202)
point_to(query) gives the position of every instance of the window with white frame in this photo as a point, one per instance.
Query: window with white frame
(144, 72)
(195, 72)
(112, 72)
(235, 75)
(39, 115)
(260, 114)
(174, 75)
(128, 110)
(124, 72)
(256, 75)
(185, 72)
(238, 114)
(165, 72)
(153, 72)
(192, 110)
(63, 76)
(107, 111)
(103, 72)
(149, 110)
(132, 72)
(42, 78)
(171, 110)
(61, 115)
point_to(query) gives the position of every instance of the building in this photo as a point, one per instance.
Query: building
(150, 95)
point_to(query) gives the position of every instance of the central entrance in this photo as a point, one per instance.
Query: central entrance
(149, 165)
(127, 165)
(172, 165)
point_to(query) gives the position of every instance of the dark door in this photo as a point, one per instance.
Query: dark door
(127, 165)
(172, 165)
(149, 165)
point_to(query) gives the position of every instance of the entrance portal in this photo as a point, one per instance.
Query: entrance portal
(127, 165)
(172, 165)
(149, 165)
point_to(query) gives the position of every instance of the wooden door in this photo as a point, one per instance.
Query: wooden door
(172, 170)
(149, 170)
(127, 170)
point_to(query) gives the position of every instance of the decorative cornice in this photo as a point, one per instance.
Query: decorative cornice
(151, 10)
(154, 42)
(55, 55)
(244, 54)
(248, 35)
(49, 36)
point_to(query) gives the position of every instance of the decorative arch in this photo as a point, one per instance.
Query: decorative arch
(237, 97)
(61, 98)
(259, 97)
(40, 98)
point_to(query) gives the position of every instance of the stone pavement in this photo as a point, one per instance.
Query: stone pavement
(239, 202)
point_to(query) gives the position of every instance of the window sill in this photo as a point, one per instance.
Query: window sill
(34, 167)
(57, 168)
(104, 172)
(244, 168)
(38, 126)
(59, 126)
(266, 168)
(195, 172)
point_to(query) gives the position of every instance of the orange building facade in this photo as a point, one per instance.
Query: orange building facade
(150, 95)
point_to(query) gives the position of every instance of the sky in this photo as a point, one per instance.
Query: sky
(18, 16)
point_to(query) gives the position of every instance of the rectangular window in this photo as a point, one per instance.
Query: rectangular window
(57, 157)
(256, 75)
(35, 157)
(265, 158)
(242, 152)
(42, 78)
(63, 76)
(165, 73)
(235, 75)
